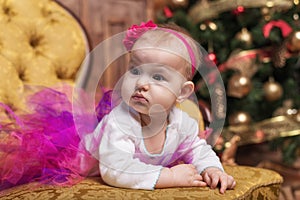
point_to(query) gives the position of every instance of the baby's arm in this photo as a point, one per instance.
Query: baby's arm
(119, 164)
(213, 176)
(210, 167)
(119, 168)
(182, 175)
(207, 162)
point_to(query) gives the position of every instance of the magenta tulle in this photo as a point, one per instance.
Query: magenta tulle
(109, 100)
(105, 106)
(44, 145)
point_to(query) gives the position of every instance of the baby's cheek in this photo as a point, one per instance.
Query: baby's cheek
(126, 92)
(175, 88)
(171, 88)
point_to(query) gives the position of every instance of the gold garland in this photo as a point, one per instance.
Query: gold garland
(207, 10)
(266, 130)
(238, 59)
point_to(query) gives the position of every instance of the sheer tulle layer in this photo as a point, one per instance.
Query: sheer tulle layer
(44, 145)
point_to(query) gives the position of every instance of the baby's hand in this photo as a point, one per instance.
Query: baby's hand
(186, 175)
(213, 176)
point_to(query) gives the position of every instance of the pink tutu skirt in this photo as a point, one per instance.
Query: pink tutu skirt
(45, 144)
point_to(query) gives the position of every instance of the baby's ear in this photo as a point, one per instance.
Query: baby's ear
(186, 90)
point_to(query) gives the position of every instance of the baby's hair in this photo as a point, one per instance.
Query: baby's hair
(175, 27)
(172, 38)
(192, 43)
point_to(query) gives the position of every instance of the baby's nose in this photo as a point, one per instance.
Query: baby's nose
(143, 83)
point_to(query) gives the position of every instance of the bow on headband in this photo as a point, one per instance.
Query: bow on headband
(135, 32)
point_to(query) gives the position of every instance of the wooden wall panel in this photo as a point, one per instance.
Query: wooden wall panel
(104, 18)
(101, 17)
(74, 6)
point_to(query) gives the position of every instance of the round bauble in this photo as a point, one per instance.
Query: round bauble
(239, 86)
(244, 36)
(266, 13)
(297, 116)
(179, 3)
(293, 44)
(239, 118)
(272, 90)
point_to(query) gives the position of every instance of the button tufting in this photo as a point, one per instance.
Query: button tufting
(8, 12)
(40, 44)
(35, 40)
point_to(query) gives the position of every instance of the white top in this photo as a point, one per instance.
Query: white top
(124, 159)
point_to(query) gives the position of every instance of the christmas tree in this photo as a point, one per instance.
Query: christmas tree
(256, 46)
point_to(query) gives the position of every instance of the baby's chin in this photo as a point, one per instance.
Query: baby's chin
(139, 108)
(144, 110)
(147, 108)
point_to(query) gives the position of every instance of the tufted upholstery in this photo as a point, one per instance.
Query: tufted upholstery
(252, 184)
(40, 44)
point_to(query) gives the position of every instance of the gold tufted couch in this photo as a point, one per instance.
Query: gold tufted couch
(42, 44)
(252, 183)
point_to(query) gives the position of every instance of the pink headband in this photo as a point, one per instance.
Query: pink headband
(135, 32)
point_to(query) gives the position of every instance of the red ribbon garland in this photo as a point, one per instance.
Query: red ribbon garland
(284, 27)
(167, 11)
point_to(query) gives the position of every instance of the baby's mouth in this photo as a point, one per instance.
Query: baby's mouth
(139, 97)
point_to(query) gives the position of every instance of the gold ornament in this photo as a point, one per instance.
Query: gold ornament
(297, 116)
(239, 118)
(286, 109)
(273, 90)
(239, 86)
(243, 61)
(244, 36)
(293, 44)
(179, 3)
(266, 13)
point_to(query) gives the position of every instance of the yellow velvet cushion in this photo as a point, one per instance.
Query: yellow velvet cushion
(193, 111)
(11, 87)
(252, 183)
(40, 44)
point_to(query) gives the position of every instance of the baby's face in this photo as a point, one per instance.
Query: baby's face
(153, 81)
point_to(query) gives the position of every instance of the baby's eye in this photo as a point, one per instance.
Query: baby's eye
(158, 77)
(135, 71)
